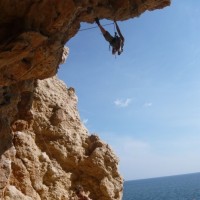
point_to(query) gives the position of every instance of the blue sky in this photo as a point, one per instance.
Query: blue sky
(146, 102)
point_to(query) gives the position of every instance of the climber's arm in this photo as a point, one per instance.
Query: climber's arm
(118, 31)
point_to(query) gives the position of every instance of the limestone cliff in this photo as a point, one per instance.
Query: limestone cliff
(33, 32)
(45, 150)
(52, 151)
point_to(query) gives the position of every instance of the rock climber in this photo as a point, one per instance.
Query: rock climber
(116, 42)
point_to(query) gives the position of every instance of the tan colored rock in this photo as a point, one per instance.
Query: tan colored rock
(45, 150)
(64, 55)
(52, 150)
(33, 33)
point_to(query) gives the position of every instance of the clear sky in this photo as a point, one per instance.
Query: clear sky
(146, 102)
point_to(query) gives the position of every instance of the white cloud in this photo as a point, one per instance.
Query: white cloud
(122, 103)
(148, 104)
(85, 121)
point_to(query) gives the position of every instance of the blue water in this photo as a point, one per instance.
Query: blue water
(182, 187)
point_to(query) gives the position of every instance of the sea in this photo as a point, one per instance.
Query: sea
(180, 187)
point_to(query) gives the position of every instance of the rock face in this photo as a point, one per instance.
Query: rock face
(50, 152)
(45, 150)
(33, 32)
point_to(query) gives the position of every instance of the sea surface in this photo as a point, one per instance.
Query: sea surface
(181, 187)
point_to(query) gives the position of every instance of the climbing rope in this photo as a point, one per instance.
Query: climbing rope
(95, 27)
